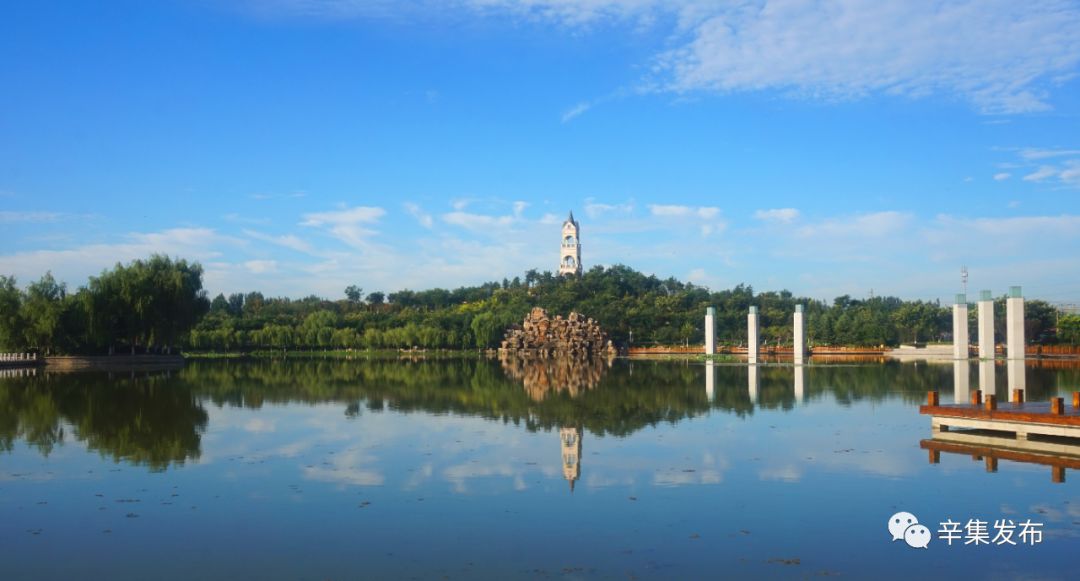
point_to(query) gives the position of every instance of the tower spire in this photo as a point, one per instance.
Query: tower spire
(570, 247)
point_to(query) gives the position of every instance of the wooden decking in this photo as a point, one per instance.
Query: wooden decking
(1052, 418)
(1045, 433)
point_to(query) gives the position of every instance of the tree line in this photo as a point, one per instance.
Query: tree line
(159, 303)
(146, 306)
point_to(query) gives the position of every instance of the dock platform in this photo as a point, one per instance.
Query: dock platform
(1019, 417)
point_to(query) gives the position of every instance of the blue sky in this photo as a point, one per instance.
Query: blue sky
(299, 146)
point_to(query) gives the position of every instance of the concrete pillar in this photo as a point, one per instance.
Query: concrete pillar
(987, 376)
(961, 381)
(986, 325)
(752, 336)
(710, 380)
(800, 334)
(800, 383)
(1014, 368)
(1014, 323)
(752, 380)
(710, 331)
(960, 327)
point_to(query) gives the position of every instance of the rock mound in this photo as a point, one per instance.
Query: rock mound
(539, 335)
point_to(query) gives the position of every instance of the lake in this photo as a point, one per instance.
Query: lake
(480, 469)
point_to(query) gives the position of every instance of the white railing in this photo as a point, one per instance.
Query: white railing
(18, 356)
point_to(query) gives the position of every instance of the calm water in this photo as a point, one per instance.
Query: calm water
(481, 469)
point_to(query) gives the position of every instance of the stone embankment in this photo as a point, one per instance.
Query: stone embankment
(542, 336)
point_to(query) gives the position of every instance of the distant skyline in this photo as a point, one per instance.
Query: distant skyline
(296, 147)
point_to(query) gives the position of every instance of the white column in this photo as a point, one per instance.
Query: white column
(1014, 323)
(987, 376)
(960, 327)
(710, 331)
(800, 383)
(800, 334)
(986, 325)
(752, 338)
(961, 381)
(752, 379)
(710, 379)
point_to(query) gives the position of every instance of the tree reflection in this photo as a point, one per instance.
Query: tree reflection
(156, 420)
(147, 420)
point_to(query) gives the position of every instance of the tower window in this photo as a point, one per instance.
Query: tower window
(568, 261)
(568, 240)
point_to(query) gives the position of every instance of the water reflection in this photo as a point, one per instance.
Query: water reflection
(753, 383)
(987, 376)
(146, 420)
(157, 419)
(988, 447)
(542, 377)
(800, 383)
(1016, 371)
(427, 468)
(961, 381)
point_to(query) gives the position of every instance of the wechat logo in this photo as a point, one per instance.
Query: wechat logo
(903, 526)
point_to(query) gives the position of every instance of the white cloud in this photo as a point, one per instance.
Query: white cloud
(575, 111)
(261, 266)
(519, 208)
(287, 240)
(1002, 56)
(357, 215)
(289, 195)
(1002, 176)
(1033, 153)
(477, 222)
(75, 265)
(345, 224)
(594, 209)
(666, 210)
(863, 226)
(780, 215)
(708, 212)
(999, 55)
(421, 216)
(7, 217)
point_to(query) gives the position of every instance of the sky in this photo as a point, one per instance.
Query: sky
(296, 147)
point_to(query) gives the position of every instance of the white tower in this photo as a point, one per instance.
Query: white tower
(570, 249)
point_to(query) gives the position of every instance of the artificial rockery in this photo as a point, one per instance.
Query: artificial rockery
(542, 336)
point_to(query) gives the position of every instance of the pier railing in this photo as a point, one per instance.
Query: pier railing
(4, 357)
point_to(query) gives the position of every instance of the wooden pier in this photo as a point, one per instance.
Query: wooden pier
(1019, 417)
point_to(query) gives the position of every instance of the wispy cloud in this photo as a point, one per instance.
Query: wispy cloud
(779, 215)
(283, 196)
(672, 210)
(477, 222)
(1001, 56)
(287, 240)
(1002, 176)
(30, 217)
(421, 216)
(594, 209)
(74, 265)
(575, 111)
(261, 266)
(345, 224)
